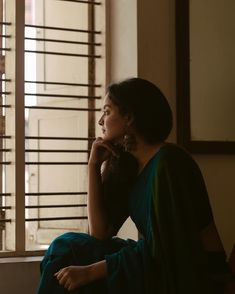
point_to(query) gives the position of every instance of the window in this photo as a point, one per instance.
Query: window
(52, 80)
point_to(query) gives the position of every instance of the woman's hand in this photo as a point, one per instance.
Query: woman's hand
(101, 151)
(73, 277)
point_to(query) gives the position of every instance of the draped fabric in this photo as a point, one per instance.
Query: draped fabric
(170, 206)
(76, 249)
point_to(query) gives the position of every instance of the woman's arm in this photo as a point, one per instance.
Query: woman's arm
(99, 224)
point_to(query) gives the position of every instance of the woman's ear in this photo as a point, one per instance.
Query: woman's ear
(129, 119)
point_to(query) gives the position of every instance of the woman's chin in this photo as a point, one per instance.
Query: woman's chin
(104, 136)
(113, 139)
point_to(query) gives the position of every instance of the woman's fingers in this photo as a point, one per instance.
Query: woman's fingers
(101, 151)
(70, 287)
(110, 148)
(59, 274)
(62, 276)
(67, 284)
(66, 277)
(73, 277)
(108, 145)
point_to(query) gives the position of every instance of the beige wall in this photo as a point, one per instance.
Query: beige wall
(122, 40)
(19, 275)
(156, 47)
(219, 171)
(212, 69)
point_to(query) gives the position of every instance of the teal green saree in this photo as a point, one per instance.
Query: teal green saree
(169, 206)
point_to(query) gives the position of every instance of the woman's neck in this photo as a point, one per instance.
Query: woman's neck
(144, 152)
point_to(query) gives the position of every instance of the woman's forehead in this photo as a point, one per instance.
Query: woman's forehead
(107, 101)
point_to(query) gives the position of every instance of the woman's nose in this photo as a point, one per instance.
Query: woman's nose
(101, 121)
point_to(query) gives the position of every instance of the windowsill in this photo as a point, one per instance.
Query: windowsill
(21, 259)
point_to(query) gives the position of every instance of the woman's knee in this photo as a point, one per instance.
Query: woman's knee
(66, 239)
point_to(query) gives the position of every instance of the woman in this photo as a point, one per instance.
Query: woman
(134, 172)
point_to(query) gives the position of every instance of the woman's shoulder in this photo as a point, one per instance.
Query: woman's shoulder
(171, 149)
(178, 165)
(175, 155)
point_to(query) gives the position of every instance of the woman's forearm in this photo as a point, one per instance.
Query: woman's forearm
(98, 270)
(99, 226)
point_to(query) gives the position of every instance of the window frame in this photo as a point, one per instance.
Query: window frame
(18, 154)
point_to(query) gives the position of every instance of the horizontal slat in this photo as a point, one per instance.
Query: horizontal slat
(5, 80)
(62, 108)
(55, 193)
(5, 137)
(5, 150)
(5, 36)
(5, 220)
(62, 41)
(5, 194)
(5, 23)
(54, 163)
(54, 206)
(62, 53)
(58, 138)
(62, 29)
(5, 207)
(5, 93)
(63, 84)
(5, 106)
(55, 151)
(62, 96)
(80, 1)
(5, 162)
(5, 49)
(54, 218)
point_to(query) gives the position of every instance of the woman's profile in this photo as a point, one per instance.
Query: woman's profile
(134, 172)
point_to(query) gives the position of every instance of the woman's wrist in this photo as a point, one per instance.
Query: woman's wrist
(94, 164)
(97, 271)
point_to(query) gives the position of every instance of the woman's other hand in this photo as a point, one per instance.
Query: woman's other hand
(101, 151)
(73, 277)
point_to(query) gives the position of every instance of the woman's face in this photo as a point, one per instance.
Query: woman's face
(113, 123)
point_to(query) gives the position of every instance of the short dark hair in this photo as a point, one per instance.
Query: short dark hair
(149, 107)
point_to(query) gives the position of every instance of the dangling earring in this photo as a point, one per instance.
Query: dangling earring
(129, 142)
